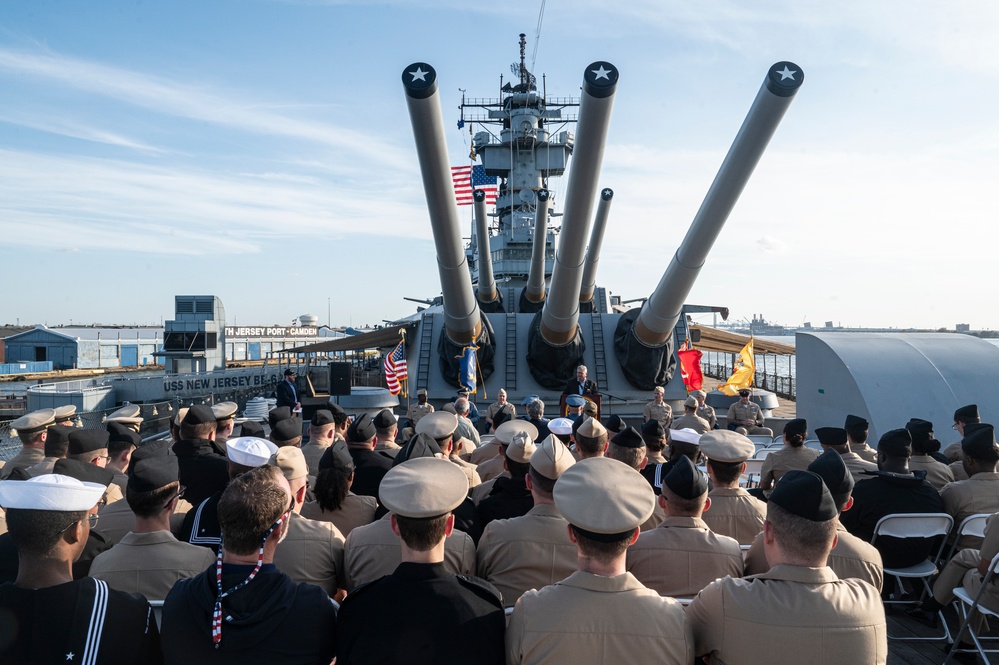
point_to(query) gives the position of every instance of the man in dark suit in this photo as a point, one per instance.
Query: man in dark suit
(580, 385)
(287, 391)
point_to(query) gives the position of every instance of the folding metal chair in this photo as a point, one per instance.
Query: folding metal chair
(753, 468)
(814, 445)
(916, 525)
(157, 606)
(760, 439)
(968, 606)
(973, 525)
(762, 454)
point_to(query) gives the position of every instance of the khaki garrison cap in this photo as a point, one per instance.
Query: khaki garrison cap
(603, 496)
(592, 429)
(291, 461)
(423, 487)
(506, 431)
(33, 422)
(691, 401)
(722, 445)
(439, 424)
(224, 410)
(521, 448)
(699, 393)
(551, 458)
(250, 451)
(128, 414)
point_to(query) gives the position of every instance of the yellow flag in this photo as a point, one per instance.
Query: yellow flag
(744, 374)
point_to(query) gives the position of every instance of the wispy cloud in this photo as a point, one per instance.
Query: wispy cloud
(73, 129)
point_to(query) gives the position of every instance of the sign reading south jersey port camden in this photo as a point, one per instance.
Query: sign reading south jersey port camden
(269, 331)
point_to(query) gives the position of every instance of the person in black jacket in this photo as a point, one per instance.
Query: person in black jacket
(287, 391)
(580, 385)
(203, 469)
(243, 609)
(369, 466)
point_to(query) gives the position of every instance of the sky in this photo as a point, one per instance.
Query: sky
(261, 151)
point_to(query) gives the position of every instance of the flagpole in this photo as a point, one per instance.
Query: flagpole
(405, 382)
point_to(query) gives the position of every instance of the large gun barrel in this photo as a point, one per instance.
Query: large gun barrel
(659, 315)
(534, 292)
(593, 250)
(486, 291)
(560, 317)
(643, 344)
(462, 320)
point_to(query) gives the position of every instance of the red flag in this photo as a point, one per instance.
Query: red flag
(690, 369)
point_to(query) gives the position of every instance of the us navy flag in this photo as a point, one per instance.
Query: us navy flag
(467, 370)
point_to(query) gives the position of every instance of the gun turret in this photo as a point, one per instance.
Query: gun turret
(533, 296)
(463, 323)
(586, 303)
(555, 346)
(643, 340)
(488, 295)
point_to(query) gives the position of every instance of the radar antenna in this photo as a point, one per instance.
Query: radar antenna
(527, 79)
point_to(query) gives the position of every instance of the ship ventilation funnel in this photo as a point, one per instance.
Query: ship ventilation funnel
(463, 324)
(487, 294)
(586, 303)
(532, 298)
(555, 345)
(643, 341)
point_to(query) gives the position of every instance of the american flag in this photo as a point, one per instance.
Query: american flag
(395, 368)
(469, 178)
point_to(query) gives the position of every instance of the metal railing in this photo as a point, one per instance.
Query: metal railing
(781, 384)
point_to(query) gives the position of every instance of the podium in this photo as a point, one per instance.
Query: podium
(563, 408)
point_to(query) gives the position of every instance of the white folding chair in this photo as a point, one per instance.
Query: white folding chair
(778, 439)
(972, 525)
(814, 445)
(762, 454)
(916, 525)
(760, 439)
(968, 606)
(157, 606)
(753, 468)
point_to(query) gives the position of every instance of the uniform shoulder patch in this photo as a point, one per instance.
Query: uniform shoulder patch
(482, 588)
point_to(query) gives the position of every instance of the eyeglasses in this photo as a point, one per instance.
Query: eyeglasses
(178, 495)
(92, 519)
(954, 426)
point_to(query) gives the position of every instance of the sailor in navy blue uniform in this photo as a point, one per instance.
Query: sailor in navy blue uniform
(46, 616)
(442, 617)
(287, 391)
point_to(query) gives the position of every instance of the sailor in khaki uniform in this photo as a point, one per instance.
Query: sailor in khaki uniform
(420, 409)
(122, 442)
(335, 502)
(657, 409)
(851, 556)
(128, 415)
(31, 430)
(56, 448)
(534, 550)
(746, 417)
(793, 456)
(690, 419)
(856, 431)
(149, 559)
(90, 446)
(386, 429)
(938, 474)
(322, 434)
(66, 415)
(967, 569)
(835, 438)
(495, 468)
(703, 410)
(654, 437)
(799, 606)
(628, 447)
(682, 555)
(601, 611)
(225, 421)
(312, 552)
(441, 426)
(980, 493)
(963, 417)
(734, 512)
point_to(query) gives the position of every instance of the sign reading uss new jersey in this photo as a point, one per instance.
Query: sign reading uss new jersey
(269, 331)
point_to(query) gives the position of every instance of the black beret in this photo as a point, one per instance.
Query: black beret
(59, 434)
(84, 471)
(856, 422)
(615, 423)
(123, 433)
(896, 442)
(832, 469)
(199, 414)
(966, 413)
(385, 419)
(654, 429)
(336, 457)
(278, 414)
(831, 436)
(796, 426)
(322, 417)
(980, 443)
(686, 480)
(287, 430)
(361, 430)
(336, 410)
(87, 441)
(153, 473)
(920, 430)
(252, 428)
(629, 438)
(421, 445)
(804, 494)
(152, 449)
